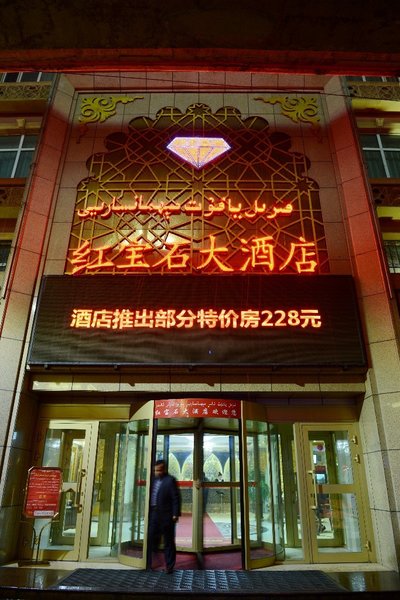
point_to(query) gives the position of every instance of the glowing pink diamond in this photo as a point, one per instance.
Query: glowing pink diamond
(198, 151)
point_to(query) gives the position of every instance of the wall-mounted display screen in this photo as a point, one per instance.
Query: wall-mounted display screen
(172, 320)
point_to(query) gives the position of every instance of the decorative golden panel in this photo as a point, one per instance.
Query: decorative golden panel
(99, 109)
(163, 199)
(299, 110)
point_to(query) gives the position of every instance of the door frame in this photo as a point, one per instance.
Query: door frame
(307, 490)
(79, 549)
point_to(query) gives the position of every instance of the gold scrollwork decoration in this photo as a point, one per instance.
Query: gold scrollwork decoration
(300, 110)
(100, 108)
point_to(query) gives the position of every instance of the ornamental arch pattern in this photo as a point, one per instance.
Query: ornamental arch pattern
(142, 209)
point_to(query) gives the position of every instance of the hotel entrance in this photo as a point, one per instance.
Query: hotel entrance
(253, 492)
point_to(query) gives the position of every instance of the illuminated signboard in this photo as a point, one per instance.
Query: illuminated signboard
(197, 192)
(252, 320)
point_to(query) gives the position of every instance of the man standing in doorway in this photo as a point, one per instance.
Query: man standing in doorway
(165, 510)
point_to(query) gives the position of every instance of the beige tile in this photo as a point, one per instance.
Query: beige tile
(67, 82)
(389, 415)
(258, 107)
(25, 274)
(54, 267)
(340, 267)
(336, 241)
(214, 100)
(16, 316)
(356, 199)
(370, 275)
(349, 165)
(330, 205)
(293, 387)
(323, 173)
(40, 195)
(48, 163)
(375, 475)
(378, 321)
(62, 105)
(139, 107)
(52, 382)
(159, 80)
(55, 131)
(107, 81)
(267, 81)
(386, 365)
(212, 79)
(142, 386)
(185, 80)
(59, 240)
(65, 206)
(133, 81)
(34, 233)
(317, 150)
(10, 350)
(95, 383)
(182, 101)
(73, 173)
(363, 233)
(5, 408)
(158, 101)
(238, 101)
(391, 466)
(368, 427)
(384, 542)
(82, 149)
(287, 80)
(238, 79)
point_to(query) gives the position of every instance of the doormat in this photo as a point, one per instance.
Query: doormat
(249, 582)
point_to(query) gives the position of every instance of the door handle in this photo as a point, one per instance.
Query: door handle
(78, 505)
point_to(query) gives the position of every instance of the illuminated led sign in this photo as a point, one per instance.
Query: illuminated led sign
(198, 151)
(167, 320)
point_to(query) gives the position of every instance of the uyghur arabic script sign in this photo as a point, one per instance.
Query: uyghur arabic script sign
(197, 408)
(145, 209)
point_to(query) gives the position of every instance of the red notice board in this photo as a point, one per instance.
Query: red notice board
(43, 492)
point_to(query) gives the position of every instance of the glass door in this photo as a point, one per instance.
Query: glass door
(263, 495)
(132, 487)
(221, 523)
(67, 446)
(334, 514)
(204, 456)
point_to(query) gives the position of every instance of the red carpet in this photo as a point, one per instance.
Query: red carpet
(212, 536)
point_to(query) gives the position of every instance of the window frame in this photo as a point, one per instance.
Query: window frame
(381, 149)
(19, 150)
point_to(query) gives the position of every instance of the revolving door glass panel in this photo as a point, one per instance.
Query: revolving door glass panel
(131, 495)
(264, 497)
(206, 465)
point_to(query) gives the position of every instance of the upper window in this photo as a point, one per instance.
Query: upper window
(16, 153)
(16, 77)
(382, 155)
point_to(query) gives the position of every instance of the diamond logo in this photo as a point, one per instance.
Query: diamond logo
(198, 151)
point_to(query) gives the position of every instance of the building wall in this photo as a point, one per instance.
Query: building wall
(328, 139)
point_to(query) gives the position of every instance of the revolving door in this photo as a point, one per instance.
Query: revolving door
(227, 470)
